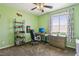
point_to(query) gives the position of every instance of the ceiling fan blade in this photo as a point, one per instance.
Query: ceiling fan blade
(33, 8)
(48, 6)
(35, 3)
(42, 10)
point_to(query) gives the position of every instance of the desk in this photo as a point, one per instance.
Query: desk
(44, 36)
(57, 41)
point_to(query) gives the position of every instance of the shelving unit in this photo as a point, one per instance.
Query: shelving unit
(19, 33)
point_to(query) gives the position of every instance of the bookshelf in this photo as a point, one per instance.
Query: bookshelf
(19, 32)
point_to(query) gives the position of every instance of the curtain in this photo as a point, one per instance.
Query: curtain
(70, 28)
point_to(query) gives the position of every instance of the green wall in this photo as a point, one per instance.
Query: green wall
(7, 16)
(44, 22)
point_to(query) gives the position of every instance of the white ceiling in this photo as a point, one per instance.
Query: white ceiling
(29, 6)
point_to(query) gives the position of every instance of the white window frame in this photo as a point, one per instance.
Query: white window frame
(58, 14)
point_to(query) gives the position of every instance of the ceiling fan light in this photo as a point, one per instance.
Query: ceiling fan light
(41, 6)
(38, 7)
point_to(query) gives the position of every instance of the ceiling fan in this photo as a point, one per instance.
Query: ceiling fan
(41, 6)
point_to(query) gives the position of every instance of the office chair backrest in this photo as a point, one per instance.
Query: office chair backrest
(32, 35)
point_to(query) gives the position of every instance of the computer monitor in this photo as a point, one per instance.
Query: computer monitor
(42, 30)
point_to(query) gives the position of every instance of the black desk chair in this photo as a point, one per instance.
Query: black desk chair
(33, 37)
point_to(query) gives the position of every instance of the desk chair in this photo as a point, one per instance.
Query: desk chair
(34, 37)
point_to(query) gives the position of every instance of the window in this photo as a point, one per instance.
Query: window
(63, 24)
(55, 24)
(59, 24)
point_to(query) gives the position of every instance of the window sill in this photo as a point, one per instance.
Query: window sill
(58, 35)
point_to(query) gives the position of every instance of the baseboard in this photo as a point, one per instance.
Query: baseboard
(71, 47)
(7, 46)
